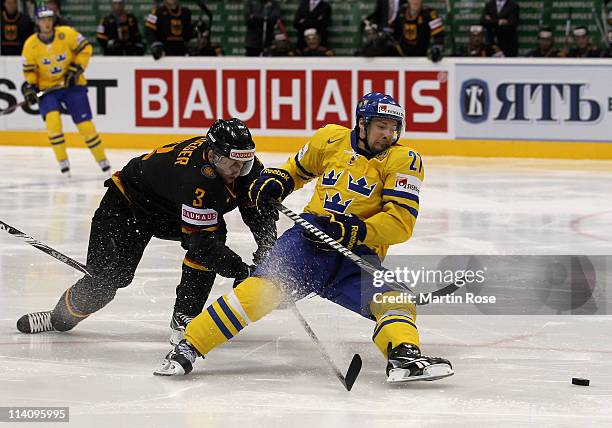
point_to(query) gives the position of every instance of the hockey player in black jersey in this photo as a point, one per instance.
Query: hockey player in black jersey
(420, 31)
(168, 29)
(177, 192)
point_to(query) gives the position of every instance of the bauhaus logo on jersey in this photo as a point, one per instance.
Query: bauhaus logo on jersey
(277, 99)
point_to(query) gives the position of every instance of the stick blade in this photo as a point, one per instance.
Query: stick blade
(353, 372)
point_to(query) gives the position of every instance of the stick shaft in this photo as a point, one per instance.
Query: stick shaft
(44, 248)
(362, 263)
(316, 340)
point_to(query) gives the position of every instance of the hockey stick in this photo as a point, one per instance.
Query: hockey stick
(599, 24)
(24, 102)
(421, 298)
(568, 29)
(450, 16)
(354, 367)
(347, 381)
(44, 248)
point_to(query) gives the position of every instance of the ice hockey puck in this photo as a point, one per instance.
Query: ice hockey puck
(580, 381)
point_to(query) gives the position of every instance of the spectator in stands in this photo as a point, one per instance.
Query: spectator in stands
(168, 29)
(118, 32)
(386, 13)
(261, 17)
(315, 14)
(478, 46)
(313, 45)
(204, 47)
(377, 43)
(15, 27)
(501, 18)
(420, 31)
(583, 47)
(281, 46)
(546, 45)
(56, 7)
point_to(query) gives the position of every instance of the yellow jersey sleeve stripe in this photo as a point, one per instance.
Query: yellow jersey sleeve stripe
(211, 311)
(397, 194)
(390, 321)
(82, 46)
(230, 314)
(413, 211)
(224, 318)
(303, 170)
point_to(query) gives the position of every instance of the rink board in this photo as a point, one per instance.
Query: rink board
(466, 107)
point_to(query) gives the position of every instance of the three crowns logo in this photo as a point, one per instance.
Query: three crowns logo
(336, 204)
(360, 186)
(330, 179)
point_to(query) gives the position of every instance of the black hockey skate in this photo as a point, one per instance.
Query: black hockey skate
(36, 322)
(406, 364)
(179, 361)
(178, 323)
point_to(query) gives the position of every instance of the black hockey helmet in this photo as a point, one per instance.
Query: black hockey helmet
(232, 139)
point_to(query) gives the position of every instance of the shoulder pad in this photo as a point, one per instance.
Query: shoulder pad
(332, 131)
(399, 156)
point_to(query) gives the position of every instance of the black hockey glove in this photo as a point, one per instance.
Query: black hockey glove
(348, 230)
(436, 53)
(72, 75)
(244, 275)
(273, 184)
(157, 50)
(29, 93)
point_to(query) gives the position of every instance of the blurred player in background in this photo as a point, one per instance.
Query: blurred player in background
(15, 28)
(313, 45)
(420, 31)
(546, 45)
(261, 18)
(168, 29)
(315, 14)
(118, 32)
(478, 47)
(280, 47)
(367, 198)
(177, 192)
(583, 48)
(501, 19)
(56, 7)
(54, 60)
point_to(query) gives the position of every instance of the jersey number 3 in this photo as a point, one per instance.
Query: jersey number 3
(199, 194)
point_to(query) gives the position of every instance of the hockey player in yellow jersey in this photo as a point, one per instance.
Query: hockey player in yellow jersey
(54, 60)
(367, 198)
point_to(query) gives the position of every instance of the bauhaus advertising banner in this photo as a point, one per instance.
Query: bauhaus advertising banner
(291, 97)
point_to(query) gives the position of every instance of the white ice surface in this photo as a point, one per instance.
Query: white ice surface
(510, 370)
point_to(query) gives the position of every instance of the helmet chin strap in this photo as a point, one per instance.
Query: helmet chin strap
(365, 141)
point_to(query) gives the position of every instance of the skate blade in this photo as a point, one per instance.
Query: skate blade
(435, 372)
(169, 368)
